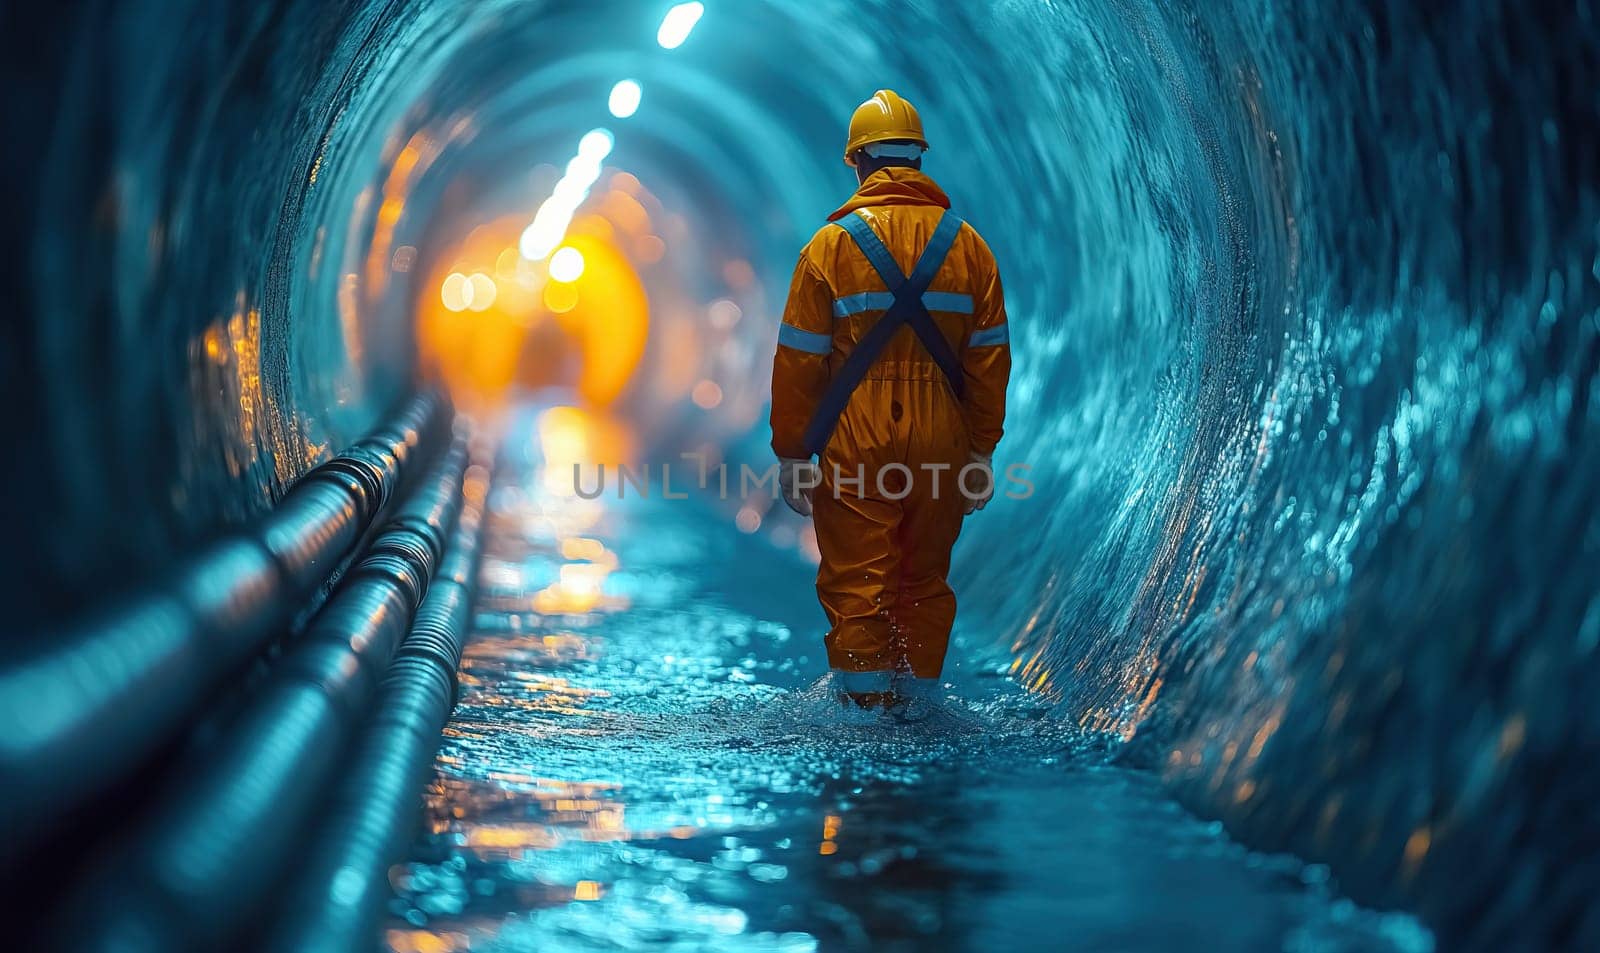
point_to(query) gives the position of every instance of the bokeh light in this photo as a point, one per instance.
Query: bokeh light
(566, 264)
(624, 100)
(678, 24)
(455, 292)
(481, 291)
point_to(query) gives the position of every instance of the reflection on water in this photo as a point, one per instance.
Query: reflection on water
(644, 757)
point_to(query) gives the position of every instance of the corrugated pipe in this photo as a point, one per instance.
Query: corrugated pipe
(98, 699)
(225, 823)
(335, 897)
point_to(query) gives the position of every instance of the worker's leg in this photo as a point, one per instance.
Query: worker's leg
(856, 583)
(925, 607)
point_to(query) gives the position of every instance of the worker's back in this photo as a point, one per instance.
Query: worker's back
(861, 299)
(891, 368)
(838, 296)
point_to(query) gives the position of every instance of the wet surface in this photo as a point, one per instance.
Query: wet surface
(1302, 297)
(644, 757)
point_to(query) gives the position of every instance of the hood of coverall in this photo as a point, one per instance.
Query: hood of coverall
(894, 185)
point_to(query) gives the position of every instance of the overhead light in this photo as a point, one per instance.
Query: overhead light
(595, 144)
(625, 98)
(549, 226)
(566, 264)
(678, 23)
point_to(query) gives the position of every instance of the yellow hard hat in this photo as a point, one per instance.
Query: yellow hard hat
(884, 117)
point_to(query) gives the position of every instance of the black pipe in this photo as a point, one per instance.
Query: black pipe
(98, 700)
(223, 827)
(336, 896)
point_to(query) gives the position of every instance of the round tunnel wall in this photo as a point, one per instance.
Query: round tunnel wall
(1303, 309)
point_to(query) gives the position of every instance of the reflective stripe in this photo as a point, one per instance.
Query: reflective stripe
(880, 300)
(879, 150)
(947, 301)
(866, 301)
(862, 681)
(989, 337)
(809, 341)
(905, 310)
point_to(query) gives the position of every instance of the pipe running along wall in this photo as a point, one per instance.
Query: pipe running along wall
(224, 824)
(95, 701)
(1303, 303)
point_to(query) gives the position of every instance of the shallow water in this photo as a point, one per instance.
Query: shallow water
(1306, 317)
(646, 755)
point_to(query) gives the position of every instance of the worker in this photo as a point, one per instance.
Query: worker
(891, 370)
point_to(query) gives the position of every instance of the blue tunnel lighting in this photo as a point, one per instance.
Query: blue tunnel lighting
(624, 99)
(549, 225)
(1304, 310)
(678, 24)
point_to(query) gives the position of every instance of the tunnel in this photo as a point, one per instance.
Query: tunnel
(1284, 635)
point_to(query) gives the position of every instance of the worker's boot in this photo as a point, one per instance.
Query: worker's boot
(872, 701)
(915, 698)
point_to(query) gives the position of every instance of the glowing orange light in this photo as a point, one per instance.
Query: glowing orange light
(505, 264)
(560, 297)
(594, 226)
(421, 941)
(579, 547)
(483, 291)
(595, 343)
(456, 293)
(1417, 847)
(612, 320)
(570, 436)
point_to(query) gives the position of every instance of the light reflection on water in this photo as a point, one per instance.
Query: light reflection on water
(644, 757)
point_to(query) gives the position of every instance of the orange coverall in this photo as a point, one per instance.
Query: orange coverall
(884, 560)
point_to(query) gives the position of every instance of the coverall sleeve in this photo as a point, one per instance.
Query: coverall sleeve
(800, 368)
(987, 363)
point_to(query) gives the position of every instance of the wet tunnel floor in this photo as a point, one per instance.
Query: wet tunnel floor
(642, 758)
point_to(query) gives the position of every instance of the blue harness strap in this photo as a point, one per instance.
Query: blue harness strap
(907, 308)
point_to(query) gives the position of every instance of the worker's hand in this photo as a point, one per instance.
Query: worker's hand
(977, 481)
(797, 478)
